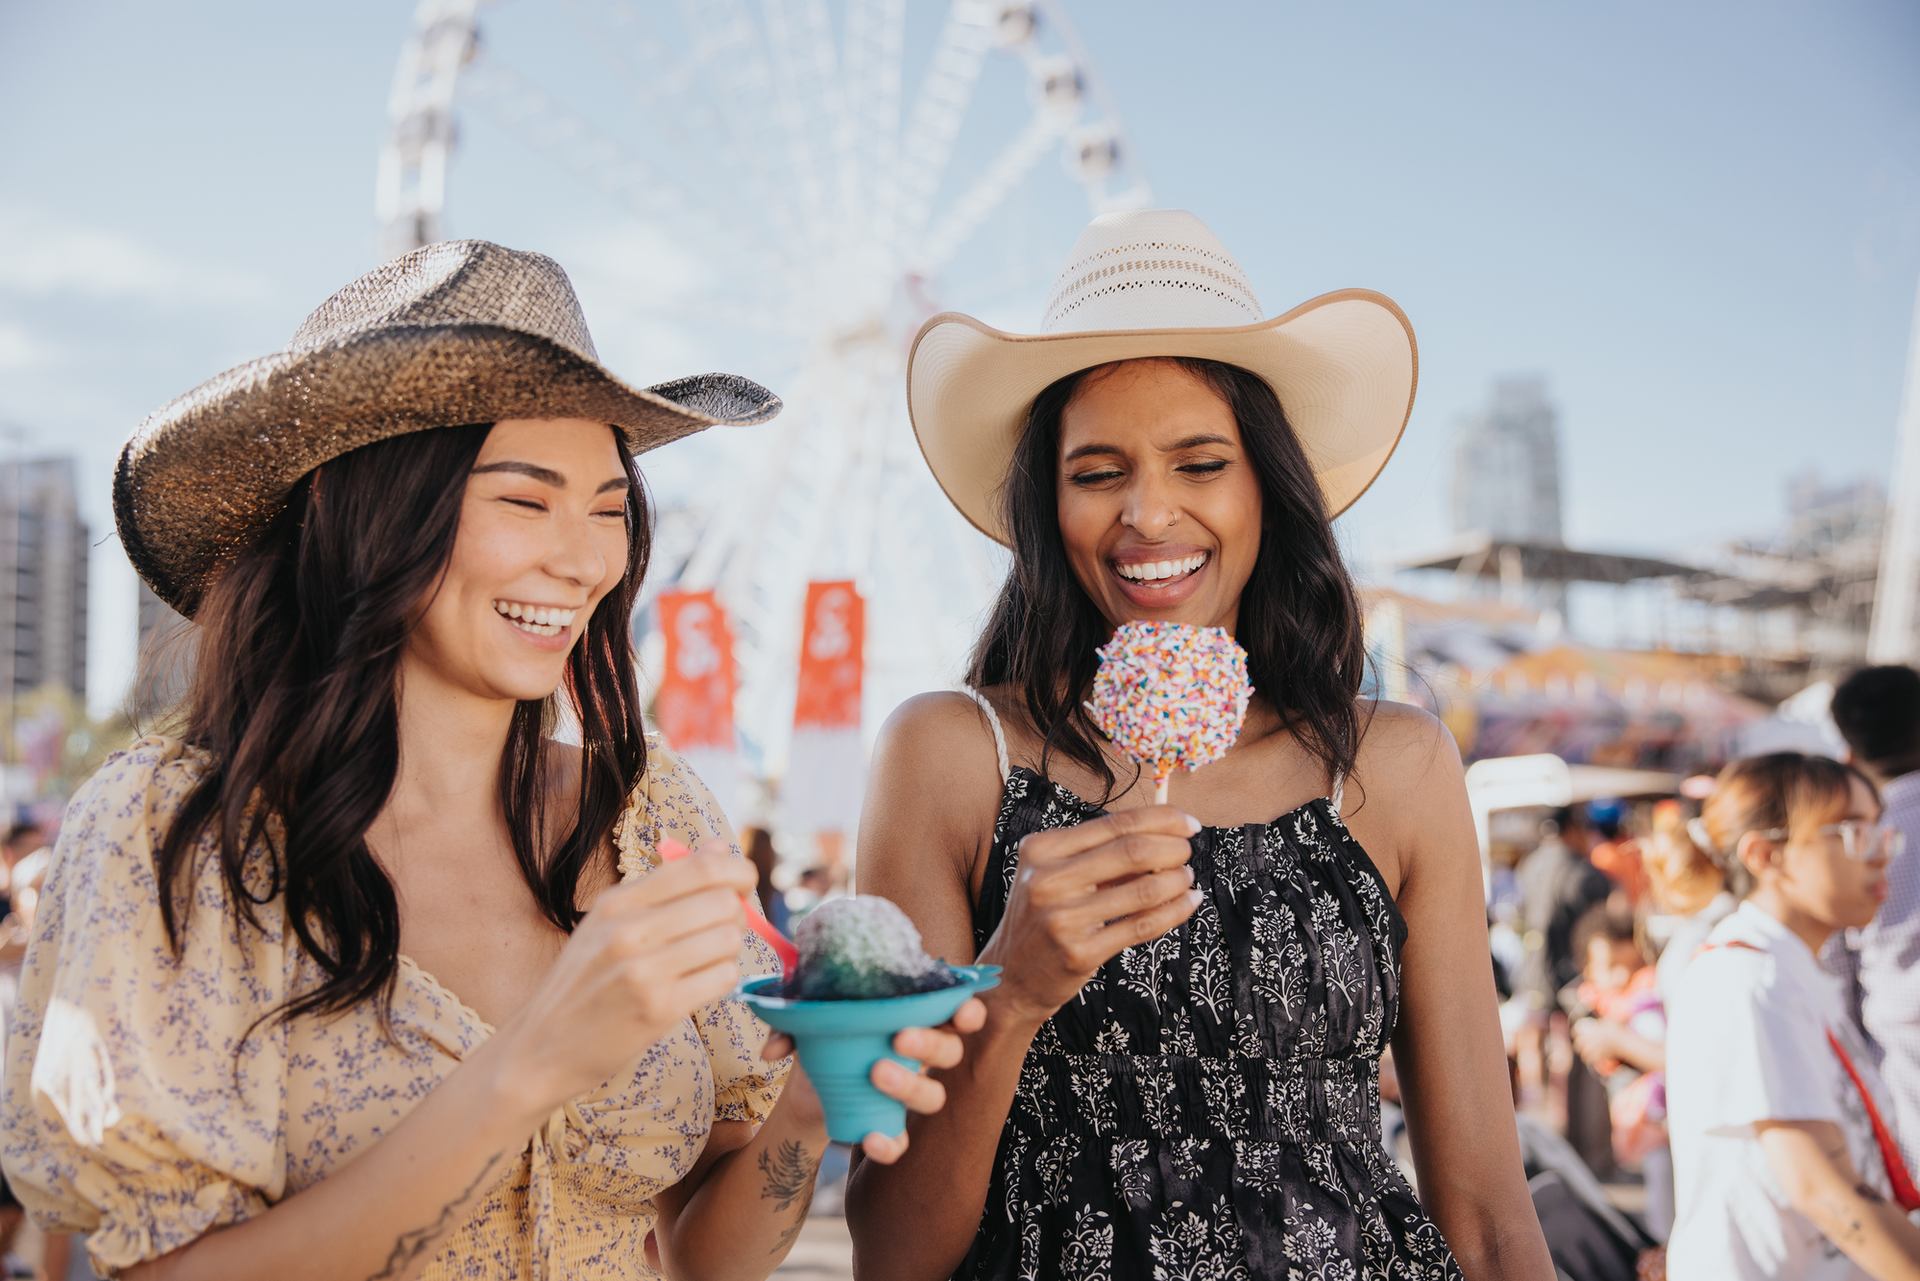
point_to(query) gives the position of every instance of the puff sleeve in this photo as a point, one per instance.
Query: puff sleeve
(675, 804)
(143, 1096)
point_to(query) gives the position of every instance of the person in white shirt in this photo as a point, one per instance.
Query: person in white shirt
(1784, 1165)
(1877, 711)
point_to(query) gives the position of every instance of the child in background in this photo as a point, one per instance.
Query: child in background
(1623, 1038)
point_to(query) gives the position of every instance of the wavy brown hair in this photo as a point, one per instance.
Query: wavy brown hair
(1299, 616)
(295, 701)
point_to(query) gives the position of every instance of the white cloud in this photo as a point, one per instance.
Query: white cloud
(41, 256)
(21, 350)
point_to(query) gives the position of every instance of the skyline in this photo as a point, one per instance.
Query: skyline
(1702, 229)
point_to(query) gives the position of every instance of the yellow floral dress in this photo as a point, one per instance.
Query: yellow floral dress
(138, 1110)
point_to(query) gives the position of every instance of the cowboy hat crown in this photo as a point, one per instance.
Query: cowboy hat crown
(463, 331)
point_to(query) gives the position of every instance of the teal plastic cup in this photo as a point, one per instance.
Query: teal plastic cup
(840, 1041)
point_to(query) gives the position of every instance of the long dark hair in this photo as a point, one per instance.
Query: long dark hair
(295, 702)
(1299, 616)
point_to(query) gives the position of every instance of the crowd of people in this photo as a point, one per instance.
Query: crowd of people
(1712, 995)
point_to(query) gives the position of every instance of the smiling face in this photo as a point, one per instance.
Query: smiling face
(543, 538)
(1159, 506)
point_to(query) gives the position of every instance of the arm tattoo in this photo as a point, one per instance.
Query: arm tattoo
(412, 1244)
(789, 1172)
(1842, 1221)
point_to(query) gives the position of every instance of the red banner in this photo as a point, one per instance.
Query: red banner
(694, 707)
(832, 647)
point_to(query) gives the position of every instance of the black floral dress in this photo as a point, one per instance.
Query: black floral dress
(1208, 1108)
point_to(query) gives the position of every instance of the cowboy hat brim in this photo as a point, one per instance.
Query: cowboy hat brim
(205, 475)
(1344, 366)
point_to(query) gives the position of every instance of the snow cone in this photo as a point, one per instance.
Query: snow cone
(862, 978)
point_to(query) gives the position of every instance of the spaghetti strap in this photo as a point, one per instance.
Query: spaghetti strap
(993, 719)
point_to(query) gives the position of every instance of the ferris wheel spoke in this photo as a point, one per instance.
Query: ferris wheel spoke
(676, 102)
(1006, 172)
(875, 42)
(723, 25)
(938, 111)
(794, 125)
(563, 135)
(686, 108)
(410, 189)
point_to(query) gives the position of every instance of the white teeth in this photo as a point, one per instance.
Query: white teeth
(538, 620)
(1161, 570)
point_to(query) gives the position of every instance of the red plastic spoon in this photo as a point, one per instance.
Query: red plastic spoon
(672, 850)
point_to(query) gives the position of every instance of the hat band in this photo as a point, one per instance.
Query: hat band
(1133, 293)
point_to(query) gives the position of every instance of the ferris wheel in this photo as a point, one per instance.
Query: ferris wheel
(842, 170)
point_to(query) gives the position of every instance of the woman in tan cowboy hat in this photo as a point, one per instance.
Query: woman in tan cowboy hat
(1179, 1076)
(239, 1050)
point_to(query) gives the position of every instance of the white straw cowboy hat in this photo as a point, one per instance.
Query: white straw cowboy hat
(1158, 283)
(459, 332)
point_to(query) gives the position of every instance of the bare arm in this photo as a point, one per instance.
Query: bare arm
(1083, 894)
(740, 1209)
(1599, 1039)
(918, 841)
(1810, 1162)
(1447, 1046)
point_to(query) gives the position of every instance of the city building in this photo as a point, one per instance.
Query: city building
(43, 578)
(165, 658)
(1506, 466)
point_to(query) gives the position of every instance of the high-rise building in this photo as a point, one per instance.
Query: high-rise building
(43, 578)
(165, 661)
(1506, 467)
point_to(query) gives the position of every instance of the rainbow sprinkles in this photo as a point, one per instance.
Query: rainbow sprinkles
(1171, 696)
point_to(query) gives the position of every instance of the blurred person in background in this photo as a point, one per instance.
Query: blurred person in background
(1784, 1165)
(1623, 1041)
(1689, 892)
(21, 841)
(765, 859)
(1558, 884)
(1877, 711)
(17, 894)
(1615, 851)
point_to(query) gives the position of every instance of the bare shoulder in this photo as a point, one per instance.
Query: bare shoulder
(928, 815)
(1412, 802)
(935, 762)
(928, 729)
(1405, 747)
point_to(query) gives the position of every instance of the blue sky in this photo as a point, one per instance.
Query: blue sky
(1700, 223)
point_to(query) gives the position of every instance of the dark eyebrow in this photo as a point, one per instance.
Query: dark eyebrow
(1191, 442)
(545, 475)
(1194, 442)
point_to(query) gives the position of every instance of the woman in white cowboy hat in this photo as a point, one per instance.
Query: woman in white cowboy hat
(239, 1049)
(1179, 1076)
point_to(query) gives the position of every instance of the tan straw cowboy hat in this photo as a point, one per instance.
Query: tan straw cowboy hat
(1158, 283)
(459, 332)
